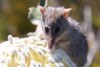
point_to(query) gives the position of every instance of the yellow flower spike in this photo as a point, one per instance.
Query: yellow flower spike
(38, 57)
(30, 52)
(13, 61)
(27, 60)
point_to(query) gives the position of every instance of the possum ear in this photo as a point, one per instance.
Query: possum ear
(42, 9)
(66, 12)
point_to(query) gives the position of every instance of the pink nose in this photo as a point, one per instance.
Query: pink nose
(50, 44)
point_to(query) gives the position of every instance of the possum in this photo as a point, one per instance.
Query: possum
(63, 32)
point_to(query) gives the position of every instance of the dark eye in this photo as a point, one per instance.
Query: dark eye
(46, 30)
(57, 29)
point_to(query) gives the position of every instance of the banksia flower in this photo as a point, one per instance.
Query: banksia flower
(31, 52)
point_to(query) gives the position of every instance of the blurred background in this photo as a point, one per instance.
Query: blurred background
(14, 19)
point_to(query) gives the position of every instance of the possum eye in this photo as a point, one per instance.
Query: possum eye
(46, 30)
(57, 29)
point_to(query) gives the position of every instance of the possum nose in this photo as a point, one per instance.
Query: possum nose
(51, 43)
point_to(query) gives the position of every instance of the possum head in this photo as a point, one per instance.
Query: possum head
(54, 24)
